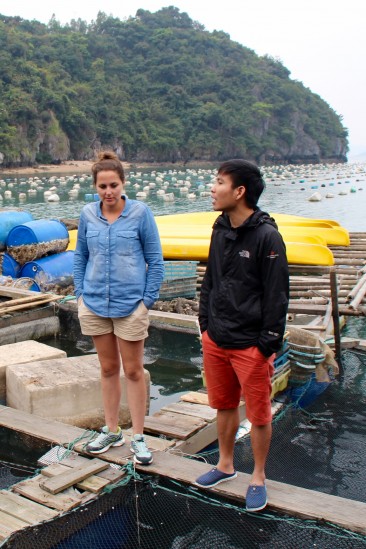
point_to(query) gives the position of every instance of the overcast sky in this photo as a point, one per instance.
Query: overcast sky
(322, 42)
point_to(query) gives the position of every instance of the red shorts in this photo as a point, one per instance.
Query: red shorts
(232, 373)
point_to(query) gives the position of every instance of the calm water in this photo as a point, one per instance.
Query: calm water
(173, 359)
(288, 190)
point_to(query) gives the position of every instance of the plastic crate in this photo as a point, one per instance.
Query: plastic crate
(180, 280)
(183, 287)
(179, 269)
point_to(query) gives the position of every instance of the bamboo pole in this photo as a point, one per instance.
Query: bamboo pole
(21, 300)
(356, 288)
(30, 305)
(359, 297)
(335, 316)
(341, 261)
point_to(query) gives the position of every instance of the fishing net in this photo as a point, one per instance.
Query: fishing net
(321, 448)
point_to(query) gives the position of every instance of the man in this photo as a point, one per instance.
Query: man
(242, 315)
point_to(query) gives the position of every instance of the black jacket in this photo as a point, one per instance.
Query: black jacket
(245, 291)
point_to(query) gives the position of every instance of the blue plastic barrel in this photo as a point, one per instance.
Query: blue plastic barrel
(56, 269)
(34, 232)
(8, 266)
(10, 219)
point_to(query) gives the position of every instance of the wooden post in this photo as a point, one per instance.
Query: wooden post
(335, 315)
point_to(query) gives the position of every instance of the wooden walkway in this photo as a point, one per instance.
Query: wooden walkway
(47, 495)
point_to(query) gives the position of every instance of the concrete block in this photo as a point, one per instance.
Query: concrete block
(22, 352)
(64, 389)
(37, 329)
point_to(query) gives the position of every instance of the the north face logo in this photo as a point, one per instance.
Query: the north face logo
(244, 253)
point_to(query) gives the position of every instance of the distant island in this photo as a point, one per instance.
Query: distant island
(156, 87)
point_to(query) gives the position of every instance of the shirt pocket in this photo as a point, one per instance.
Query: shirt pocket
(128, 242)
(92, 239)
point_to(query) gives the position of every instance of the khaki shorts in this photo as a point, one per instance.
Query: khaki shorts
(131, 328)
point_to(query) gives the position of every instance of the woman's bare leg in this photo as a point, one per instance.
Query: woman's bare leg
(132, 353)
(109, 357)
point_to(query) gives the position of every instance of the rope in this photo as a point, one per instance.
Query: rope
(69, 447)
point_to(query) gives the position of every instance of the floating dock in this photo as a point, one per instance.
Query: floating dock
(49, 494)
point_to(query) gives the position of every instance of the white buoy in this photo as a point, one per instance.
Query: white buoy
(329, 195)
(315, 197)
(53, 198)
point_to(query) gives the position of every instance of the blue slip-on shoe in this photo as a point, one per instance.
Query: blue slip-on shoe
(256, 498)
(214, 477)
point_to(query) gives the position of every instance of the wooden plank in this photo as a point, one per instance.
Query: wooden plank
(154, 443)
(312, 309)
(5, 532)
(203, 437)
(8, 291)
(27, 316)
(31, 489)
(173, 425)
(74, 475)
(195, 410)
(38, 427)
(94, 483)
(309, 327)
(113, 474)
(284, 498)
(195, 397)
(25, 509)
(11, 522)
(54, 469)
(362, 345)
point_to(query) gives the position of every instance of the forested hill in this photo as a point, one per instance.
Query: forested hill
(155, 87)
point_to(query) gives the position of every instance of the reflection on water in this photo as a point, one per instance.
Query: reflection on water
(172, 358)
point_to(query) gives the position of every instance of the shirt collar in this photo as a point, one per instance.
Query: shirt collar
(126, 209)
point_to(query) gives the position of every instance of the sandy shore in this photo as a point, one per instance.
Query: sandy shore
(69, 167)
(84, 167)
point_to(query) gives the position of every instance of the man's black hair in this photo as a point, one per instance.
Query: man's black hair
(245, 174)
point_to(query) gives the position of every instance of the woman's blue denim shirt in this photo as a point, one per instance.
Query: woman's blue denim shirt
(118, 264)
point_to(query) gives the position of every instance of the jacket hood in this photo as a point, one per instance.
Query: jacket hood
(257, 218)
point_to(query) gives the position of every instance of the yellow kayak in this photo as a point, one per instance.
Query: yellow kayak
(299, 253)
(199, 225)
(73, 235)
(204, 232)
(334, 236)
(293, 219)
(208, 218)
(196, 249)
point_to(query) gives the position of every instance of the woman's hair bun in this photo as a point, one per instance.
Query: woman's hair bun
(107, 155)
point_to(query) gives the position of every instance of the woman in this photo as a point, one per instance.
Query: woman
(118, 269)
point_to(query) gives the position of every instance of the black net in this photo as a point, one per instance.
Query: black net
(163, 515)
(321, 448)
